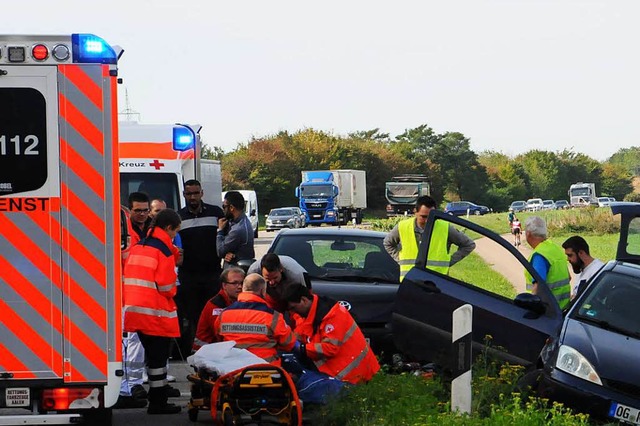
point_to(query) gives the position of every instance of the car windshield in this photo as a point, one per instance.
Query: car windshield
(612, 304)
(336, 257)
(281, 212)
(311, 191)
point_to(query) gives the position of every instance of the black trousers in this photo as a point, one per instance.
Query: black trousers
(193, 293)
(156, 350)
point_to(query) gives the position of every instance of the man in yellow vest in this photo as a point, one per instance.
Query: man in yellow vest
(403, 241)
(549, 261)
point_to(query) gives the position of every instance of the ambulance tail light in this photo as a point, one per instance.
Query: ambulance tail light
(70, 398)
(88, 48)
(183, 138)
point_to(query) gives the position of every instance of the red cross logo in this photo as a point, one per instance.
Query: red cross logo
(156, 164)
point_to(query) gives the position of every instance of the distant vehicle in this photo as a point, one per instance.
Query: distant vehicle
(333, 196)
(604, 201)
(548, 205)
(562, 204)
(303, 218)
(460, 208)
(534, 204)
(350, 266)
(581, 194)
(402, 192)
(250, 207)
(282, 218)
(518, 206)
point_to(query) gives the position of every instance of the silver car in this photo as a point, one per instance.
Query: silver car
(282, 218)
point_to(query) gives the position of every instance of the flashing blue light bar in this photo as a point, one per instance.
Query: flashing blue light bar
(183, 138)
(88, 48)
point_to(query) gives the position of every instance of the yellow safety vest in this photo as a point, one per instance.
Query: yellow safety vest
(438, 258)
(558, 278)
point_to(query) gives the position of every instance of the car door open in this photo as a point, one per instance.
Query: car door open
(515, 322)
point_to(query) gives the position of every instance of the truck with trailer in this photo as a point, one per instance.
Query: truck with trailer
(334, 197)
(403, 191)
(60, 270)
(582, 194)
(158, 158)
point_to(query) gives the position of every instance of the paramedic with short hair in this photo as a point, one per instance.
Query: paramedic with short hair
(253, 325)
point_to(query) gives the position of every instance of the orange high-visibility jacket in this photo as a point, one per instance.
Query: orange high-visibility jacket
(254, 326)
(336, 344)
(206, 331)
(149, 287)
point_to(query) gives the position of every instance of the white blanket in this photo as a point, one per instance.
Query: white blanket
(223, 358)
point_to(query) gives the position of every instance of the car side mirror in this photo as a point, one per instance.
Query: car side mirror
(530, 302)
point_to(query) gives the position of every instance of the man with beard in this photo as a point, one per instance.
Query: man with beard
(235, 234)
(583, 265)
(199, 274)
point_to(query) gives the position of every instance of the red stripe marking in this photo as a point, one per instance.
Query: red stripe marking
(159, 150)
(83, 82)
(84, 214)
(28, 336)
(78, 121)
(90, 176)
(50, 269)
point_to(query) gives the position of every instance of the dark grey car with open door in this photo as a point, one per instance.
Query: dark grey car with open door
(517, 322)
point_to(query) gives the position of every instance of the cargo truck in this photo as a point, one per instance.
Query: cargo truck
(582, 194)
(403, 191)
(335, 197)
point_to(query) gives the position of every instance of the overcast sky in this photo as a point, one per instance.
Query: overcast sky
(511, 75)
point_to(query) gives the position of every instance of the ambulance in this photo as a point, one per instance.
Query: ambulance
(60, 273)
(158, 158)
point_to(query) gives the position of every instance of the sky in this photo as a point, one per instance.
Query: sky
(512, 76)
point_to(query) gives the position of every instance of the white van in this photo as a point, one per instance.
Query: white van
(250, 207)
(534, 204)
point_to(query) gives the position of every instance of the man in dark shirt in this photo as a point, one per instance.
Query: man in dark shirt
(199, 274)
(140, 220)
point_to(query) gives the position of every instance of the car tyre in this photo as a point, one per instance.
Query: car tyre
(529, 382)
(477, 212)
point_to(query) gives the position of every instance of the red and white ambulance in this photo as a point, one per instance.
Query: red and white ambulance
(60, 274)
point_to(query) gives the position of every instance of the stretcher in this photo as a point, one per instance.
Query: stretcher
(259, 393)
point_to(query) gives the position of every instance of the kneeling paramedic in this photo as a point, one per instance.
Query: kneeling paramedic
(253, 325)
(334, 342)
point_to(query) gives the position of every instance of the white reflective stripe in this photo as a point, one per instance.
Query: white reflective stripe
(332, 341)
(353, 364)
(557, 284)
(199, 222)
(157, 383)
(167, 287)
(140, 283)
(268, 345)
(149, 311)
(244, 328)
(444, 263)
(156, 371)
(274, 323)
(407, 262)
(271, 358)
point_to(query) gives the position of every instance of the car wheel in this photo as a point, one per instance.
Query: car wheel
(530, 382)
(477, 212)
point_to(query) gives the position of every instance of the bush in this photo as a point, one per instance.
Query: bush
(634, 197)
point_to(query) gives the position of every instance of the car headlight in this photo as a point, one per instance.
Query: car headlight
(291, 220)
(268, 221)
(573, 362)
(331, 213)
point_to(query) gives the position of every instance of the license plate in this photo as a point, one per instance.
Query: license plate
(624, 413)
(17, 397)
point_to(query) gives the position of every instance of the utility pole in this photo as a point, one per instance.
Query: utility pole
(128, 113)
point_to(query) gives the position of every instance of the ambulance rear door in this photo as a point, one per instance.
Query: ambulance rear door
(31, 284)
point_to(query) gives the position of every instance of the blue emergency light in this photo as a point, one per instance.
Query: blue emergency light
(183, 138)
(88, 48)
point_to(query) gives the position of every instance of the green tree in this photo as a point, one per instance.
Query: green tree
(629, 158)
(616, 181)
(211, 153)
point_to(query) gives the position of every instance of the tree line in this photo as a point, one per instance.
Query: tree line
(272, 166)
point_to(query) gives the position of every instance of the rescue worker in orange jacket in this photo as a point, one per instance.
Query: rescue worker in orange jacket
(332, 339)
(231, 280)
(253, 325)
(149, 309)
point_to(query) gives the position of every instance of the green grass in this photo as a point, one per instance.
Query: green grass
(602, 247)
(472, 269)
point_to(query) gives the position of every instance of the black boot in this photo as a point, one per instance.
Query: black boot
(158, 402)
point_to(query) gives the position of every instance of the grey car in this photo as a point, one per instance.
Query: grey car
(303, 218)
(282, 218)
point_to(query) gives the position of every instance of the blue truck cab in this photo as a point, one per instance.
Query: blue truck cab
(317, 196)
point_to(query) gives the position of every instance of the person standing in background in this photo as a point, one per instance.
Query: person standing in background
(583, 265)
(199, 274)
(234, 241)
